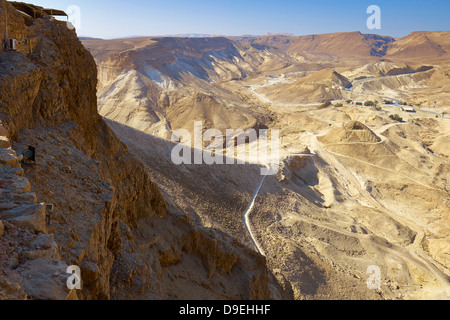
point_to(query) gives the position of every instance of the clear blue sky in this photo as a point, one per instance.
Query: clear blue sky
(114, 19)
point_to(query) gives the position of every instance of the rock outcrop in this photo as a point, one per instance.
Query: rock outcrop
(352, 132)
(109, 218)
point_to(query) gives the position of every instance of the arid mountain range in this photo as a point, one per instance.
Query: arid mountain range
(358, 186)
(156, 84)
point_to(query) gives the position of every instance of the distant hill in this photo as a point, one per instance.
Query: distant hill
(340, 45)
(89, 38)
(193, 35)
(422, 44)
(320, 86)
(329, 46)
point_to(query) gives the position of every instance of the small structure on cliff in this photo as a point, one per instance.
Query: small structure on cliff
(36, 12)
(30, 12)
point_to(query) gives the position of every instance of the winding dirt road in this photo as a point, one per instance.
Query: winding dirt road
(247, 218)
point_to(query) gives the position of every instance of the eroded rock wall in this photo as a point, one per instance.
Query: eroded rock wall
(109, 218)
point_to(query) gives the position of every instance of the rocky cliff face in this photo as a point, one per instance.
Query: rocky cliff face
(109, 218)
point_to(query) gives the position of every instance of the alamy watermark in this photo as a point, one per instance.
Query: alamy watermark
(374, 21)
(74, 281)
(231, 148)
(73, 17)
(374, 281)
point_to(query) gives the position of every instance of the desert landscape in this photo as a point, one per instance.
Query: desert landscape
(370, 189)
(362, 179)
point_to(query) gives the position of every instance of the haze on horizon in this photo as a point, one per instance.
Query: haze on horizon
(119, 19)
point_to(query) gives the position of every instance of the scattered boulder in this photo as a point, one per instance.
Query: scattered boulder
(90, 272)
(4, 142)
(27, 216)
(11, 291)
(8, 158)
(20, 185)
(45, 279)
(168, 255)
(43, 246)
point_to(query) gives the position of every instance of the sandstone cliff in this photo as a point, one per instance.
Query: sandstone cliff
(109, 218)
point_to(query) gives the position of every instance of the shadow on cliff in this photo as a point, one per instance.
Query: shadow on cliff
(227, 182)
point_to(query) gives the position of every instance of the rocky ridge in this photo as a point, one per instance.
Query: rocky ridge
(109, 219)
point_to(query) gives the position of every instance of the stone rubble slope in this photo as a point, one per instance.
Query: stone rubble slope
(24, 238)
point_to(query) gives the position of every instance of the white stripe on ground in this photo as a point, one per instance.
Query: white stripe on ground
(247, 218)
